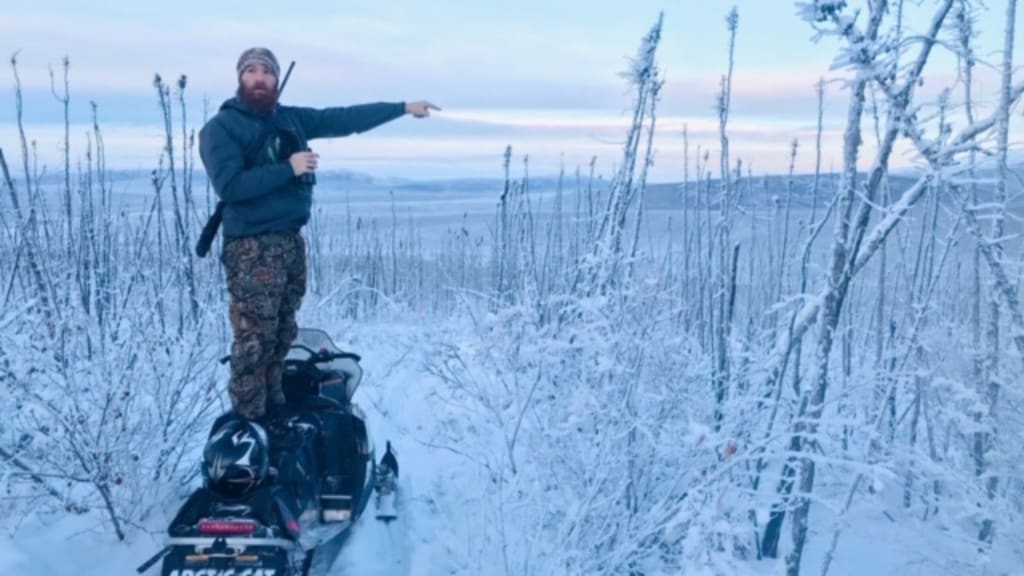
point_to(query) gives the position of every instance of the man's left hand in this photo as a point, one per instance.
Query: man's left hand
(420, 108)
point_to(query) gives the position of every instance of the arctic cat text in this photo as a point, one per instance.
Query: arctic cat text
(228, 572)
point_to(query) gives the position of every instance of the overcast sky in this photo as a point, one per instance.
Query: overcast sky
(540, 75)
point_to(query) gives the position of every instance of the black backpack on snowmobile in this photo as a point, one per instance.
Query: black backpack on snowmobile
(275, 495)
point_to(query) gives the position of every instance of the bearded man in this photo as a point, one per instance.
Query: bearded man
(256, 155)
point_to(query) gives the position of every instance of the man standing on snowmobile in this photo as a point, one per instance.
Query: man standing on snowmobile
(256, 156)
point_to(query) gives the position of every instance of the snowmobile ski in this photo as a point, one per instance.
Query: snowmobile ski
(386, 486)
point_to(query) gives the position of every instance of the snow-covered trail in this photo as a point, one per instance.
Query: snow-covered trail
(395, 396)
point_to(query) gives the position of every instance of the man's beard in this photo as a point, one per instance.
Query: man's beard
(260, 101)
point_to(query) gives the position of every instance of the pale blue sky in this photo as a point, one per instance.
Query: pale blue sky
(541, 75)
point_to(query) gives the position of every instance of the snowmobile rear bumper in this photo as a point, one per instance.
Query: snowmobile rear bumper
(200, 556)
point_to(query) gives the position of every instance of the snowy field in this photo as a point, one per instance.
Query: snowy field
(448, 382)
(444, 496)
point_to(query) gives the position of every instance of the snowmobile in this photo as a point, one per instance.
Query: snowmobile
(280, 496)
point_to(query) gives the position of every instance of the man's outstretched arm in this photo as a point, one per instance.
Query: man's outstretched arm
(344, 120)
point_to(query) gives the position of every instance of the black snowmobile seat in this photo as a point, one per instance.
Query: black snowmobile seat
(300, 387)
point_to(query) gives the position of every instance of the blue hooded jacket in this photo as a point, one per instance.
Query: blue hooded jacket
(246, 159)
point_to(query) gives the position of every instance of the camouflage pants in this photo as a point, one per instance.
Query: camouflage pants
(266, 277)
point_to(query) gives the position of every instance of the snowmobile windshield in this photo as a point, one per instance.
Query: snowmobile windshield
(348, 371)
(314, 339)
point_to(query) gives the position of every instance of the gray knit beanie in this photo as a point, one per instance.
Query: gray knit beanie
(259, 55)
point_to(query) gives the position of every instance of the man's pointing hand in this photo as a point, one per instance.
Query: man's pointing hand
(420, 108)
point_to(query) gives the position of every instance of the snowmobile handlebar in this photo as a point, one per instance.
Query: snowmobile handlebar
(316, 356)
(324, 355)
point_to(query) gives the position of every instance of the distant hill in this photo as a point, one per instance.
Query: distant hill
(763, 191)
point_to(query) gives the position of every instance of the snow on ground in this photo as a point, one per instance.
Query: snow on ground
(392, 395)
(71, 546)
(396, 397)
(435, 533)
